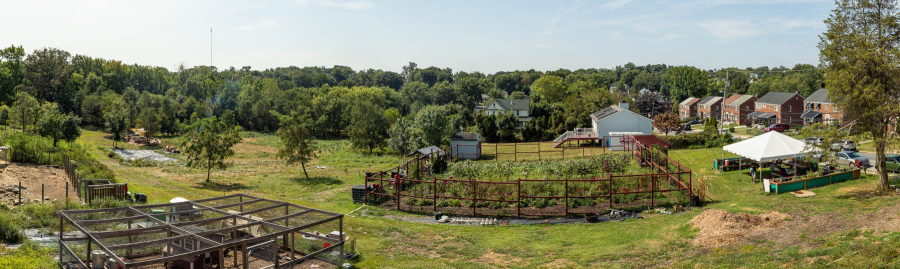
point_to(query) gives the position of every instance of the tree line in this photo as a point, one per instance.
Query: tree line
(375, 108)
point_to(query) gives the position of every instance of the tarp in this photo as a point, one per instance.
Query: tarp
(768, 146)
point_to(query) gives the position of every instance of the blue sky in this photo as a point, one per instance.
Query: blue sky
(485, 36)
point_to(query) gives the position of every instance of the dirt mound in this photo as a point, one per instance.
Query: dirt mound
(719, 227)
(32, 176)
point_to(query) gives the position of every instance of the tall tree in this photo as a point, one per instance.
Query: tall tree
(686, 81)
(368, 127)
(434, 126)
(208, 142)
(48, 71)
(551, 89)
(116, 118)
(58, 126)
(296, 137)
(25, 110)
(861, 53)
(403, 136)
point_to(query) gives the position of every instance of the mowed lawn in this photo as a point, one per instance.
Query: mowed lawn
(385, 242)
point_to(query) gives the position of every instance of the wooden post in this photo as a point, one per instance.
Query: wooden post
(244, 256)
(610, 190)
(42, 193)
(397, 189)
(341, 237)
(292, 247)
(566, 194)
(474, 196)
(67, 194)
(519, 194)
(275, 251)
(233, 236)
(20, 195)
(88, 249)
(434, 193)
(241, 199)
(285, 239)
(222, 257)
(652, 189)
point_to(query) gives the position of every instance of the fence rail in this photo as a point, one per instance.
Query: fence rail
(665, 176)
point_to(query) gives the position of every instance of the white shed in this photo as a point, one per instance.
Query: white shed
(615, 140)
(618, 119)
(466, 145)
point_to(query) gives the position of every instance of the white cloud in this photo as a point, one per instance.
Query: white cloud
(728, 30)
(263, 24)
(550, 25)
(350, 5)
(614, 4)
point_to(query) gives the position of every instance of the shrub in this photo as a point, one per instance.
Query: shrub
(9, 232)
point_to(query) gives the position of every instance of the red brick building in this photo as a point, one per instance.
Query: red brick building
(688, 108)
(710, 107)
(819, 108)
(779, 107)
(738, 106)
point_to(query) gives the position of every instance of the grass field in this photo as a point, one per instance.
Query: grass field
(656, 241)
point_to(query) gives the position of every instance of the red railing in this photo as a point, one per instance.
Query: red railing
(421, 189)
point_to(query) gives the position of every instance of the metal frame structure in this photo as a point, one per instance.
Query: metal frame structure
(149, 235)
(393, 183)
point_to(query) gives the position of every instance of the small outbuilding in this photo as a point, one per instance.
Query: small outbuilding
(465, 145)
(618, 119)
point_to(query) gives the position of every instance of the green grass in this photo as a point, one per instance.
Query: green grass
(386, 242)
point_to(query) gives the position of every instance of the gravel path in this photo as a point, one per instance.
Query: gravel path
(147, 155)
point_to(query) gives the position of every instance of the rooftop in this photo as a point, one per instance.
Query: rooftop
(513, 104)
(820, 96)
(776, 98)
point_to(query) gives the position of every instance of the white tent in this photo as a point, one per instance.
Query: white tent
(769, 146)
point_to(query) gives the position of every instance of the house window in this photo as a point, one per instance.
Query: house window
(789, 108)
(776, 108)
(757, 106)
(517, 113)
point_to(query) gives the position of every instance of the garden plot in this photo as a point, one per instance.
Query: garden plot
(144, 155)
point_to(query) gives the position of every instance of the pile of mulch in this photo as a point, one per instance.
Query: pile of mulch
(719, 227)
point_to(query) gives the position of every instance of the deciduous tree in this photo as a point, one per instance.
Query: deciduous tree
(861, 54)
(666, 122)
(297, 139)
(116, 121)
(208, 142)
(368, 127)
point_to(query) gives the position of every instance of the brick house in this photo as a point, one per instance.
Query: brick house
(688, 108)
(738, 106)
(710, 106)
(779, 107)
(818, 108)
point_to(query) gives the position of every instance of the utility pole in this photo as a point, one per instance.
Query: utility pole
(722, 119)
(210, 48)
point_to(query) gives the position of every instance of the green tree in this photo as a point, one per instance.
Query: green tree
(487, 127)
(25, 110)
(434, 125)
(48, 71)
(4, 115)
(58, 126)
(295, 133)
(686, 81)
(518, 95)
(506, 127)
(116, 118)
(861, 53)
(551, 89)
(368, 127)
(403, 136)
(149, 120)
(392, 115)
(208, 142)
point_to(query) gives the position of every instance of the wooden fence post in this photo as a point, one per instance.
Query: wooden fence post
(566, 194)
(434, 193)
(519, 194)
(474, 196)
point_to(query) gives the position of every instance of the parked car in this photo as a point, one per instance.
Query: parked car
(777, 127)
(893, 162)
(686, 127)
(852, 159)
(848, 145)
(813, 140)
(694, 122)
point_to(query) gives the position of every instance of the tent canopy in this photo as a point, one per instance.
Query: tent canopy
(768, 146)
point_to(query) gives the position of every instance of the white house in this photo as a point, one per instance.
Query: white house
(618, 119)
(519, 108)
(466, 145)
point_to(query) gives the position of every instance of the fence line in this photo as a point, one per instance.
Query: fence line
(398, 186)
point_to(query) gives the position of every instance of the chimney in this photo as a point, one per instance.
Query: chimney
(623, 104)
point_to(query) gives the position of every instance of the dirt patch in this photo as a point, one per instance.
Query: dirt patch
(32, 176)
(500, 259)
(719, 227)
(559, 263)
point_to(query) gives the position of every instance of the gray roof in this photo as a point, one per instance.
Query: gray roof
(514, 104)
(606, 112)
(687, 101)
(710, 100)
(741, 100)
(465, 136)
(705, 100)
(776, 98)
(820, 96)
(427, 150)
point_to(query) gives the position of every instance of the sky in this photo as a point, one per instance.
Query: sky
(485, 36)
